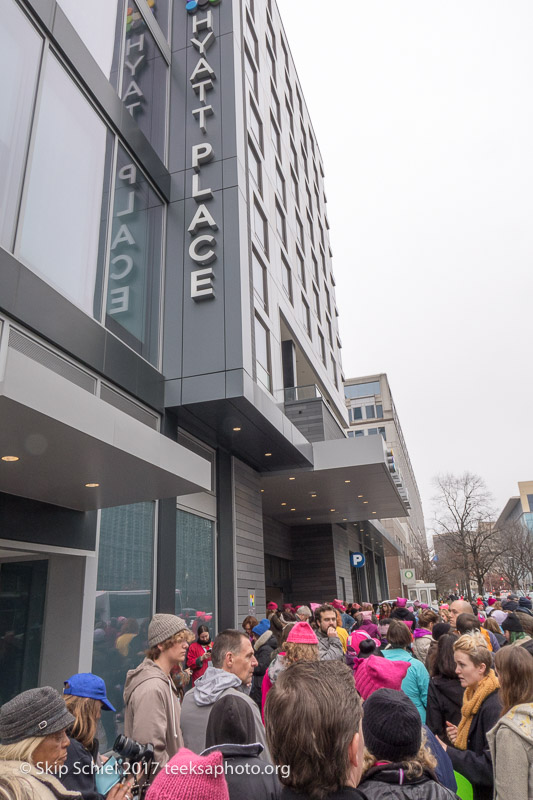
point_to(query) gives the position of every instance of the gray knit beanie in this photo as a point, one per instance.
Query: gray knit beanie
(163, 626)
(37, 712)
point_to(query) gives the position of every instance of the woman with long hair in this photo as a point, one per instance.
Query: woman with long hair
(479, 713)
(85, 697)
(445, 693)
(199, 653)
(511, 739)
(422, 634)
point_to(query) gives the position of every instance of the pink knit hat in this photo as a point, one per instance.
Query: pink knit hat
(367, 615)
(491, 601)
(401, 602)
(375, 673)
(302, 633)
(272, 606)
(338, 604)
(355, 639)
(188, 776)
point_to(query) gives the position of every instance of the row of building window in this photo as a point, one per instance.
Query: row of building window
(368, 432)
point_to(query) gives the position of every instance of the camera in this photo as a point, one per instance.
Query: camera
(134, 760)
(133, 751)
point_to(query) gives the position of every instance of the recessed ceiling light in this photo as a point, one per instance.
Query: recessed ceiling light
(345, 519)
(308, 518)
(10, 458)
(332, 509)
(262, 490)
(284, 504)
(268, 454)
(347, 481)
(293, 509)
(92, 485)
(374, 512)
(292, 479)
(236, 429)
(365, 502)
(360, 495)
(313, 495)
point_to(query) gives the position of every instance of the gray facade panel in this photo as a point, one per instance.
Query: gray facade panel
(178, 105)
(24, 520)
(313, 567)
(173, 293)
(278, 538)
(248, 539)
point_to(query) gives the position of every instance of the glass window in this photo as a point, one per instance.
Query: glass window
(310, 228)
(299, 232)
(60, 239)
(262, 359)
(254, 166)
(124, 589)
(256, 126)
(294, 157)
(252, 38)
(259, 279)
(315, 267)
(195, 569)
(372, 431)
(280, 184)
(275, 137)
(322, 347)
(301, 267)
(382, 432)
(306, 316)
(20, 52)
(294, 183)
(159, 9)
(260, 229)
(370, 412)
(357, 413)
(250, 70)
(317, 302)
(280, 225)
(359, 433)
(362, 389)
(289, 116)
(272, 60)
(99, 24)
(286, 278)
(379, 411)
(144, 80)
(133, 291)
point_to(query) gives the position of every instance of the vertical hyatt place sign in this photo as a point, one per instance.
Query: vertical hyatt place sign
(203, 226)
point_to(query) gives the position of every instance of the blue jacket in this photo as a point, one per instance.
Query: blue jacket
(416, 682)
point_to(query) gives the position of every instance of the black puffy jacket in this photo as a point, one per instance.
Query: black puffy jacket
(263, 649)
(404, 615)
(445, 698)
(388, 782)
(475, 763)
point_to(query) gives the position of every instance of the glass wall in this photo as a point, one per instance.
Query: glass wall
(134, 282)
(20, 53)
(195, 569)
(100, 26)
(124, 603)
(60, 229)
(144, 80)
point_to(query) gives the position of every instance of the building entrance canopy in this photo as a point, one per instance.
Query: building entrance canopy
(62, 437)
(349, 482)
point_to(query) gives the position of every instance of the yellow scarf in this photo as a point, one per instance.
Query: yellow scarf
(472, 701)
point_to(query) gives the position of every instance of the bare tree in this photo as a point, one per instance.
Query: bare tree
(463, 515)
(516, 561)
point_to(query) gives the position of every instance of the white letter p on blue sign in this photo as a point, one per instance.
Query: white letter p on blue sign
(357, 560)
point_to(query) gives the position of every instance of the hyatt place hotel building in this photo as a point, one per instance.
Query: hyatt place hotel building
(172, 416)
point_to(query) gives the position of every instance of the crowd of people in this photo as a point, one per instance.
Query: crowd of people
(319, 701)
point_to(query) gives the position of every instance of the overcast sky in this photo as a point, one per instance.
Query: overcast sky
(423, 112)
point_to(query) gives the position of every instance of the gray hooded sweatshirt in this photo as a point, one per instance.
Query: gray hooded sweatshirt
(198, 702)
(152, 710)
(511, 750)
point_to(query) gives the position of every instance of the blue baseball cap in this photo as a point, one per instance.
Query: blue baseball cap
(262, 627)
(85, 684)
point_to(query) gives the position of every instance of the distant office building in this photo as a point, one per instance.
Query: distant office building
(372, 413)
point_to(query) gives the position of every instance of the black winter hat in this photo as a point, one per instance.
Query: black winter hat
(439, 629)
(231, 721)
(512, 624)
(392, 727)
(525, 602)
